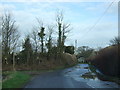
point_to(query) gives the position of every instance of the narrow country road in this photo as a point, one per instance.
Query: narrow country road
(69, 78)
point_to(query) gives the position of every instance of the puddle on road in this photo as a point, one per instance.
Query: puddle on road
(82, 73)
(67, 72)
(89, 75)
(82, 67)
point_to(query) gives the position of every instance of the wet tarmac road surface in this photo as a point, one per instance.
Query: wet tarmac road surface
(69, 78)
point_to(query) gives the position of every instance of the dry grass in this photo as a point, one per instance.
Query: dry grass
(61, 61)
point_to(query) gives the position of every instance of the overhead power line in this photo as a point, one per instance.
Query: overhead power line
(98, 19)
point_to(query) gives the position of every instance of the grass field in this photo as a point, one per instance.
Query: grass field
(16, 80)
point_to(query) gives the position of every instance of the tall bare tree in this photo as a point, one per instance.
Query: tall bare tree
(14, 45)
(49, 41)
(63, 29)
(41, 34)
(59, 20)
(10, 36)
(35, 39)
(0, 44)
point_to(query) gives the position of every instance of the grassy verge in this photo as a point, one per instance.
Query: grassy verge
(19, 78)
(108, 78)
(16, 80)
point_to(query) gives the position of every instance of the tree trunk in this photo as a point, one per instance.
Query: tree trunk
(14, 62)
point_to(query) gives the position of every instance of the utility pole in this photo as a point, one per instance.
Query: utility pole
(75, 46)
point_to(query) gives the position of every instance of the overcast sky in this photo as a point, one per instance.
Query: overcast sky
(81, 15)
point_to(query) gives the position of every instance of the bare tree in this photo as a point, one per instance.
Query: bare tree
(35, 39)
(41, 34)
(49, 41)
(63, 29)
(0, 31)
(14, 45)
(115, 41)
(10, 36)
(0, 44)
(59, 20)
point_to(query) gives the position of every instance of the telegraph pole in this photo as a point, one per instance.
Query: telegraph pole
(75, 46)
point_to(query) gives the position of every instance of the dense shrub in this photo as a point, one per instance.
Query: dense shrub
(107, 61)
(68, 59)
(69, 49)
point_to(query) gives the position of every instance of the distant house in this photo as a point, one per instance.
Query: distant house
(81, 60)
